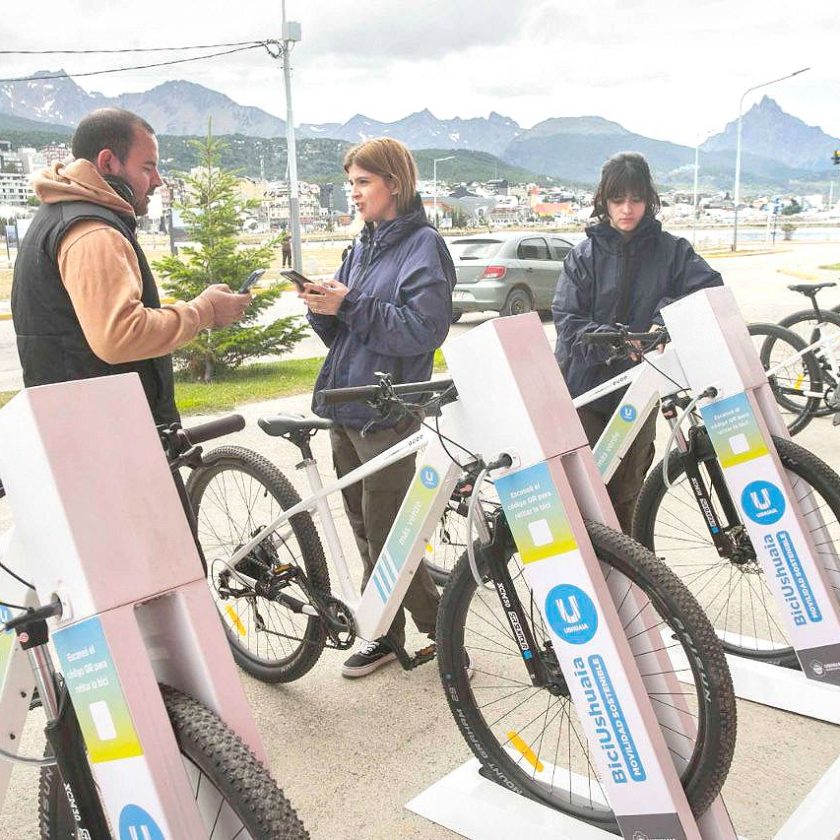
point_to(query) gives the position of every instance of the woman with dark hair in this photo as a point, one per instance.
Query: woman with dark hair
(387, 310)
(624, 272)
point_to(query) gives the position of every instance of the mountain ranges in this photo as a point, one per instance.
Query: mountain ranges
(780, 152)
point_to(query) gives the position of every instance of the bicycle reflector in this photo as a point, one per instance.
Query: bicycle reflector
(493, 272)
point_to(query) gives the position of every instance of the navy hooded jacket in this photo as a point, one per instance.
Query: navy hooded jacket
(396, 314)
(651, 269)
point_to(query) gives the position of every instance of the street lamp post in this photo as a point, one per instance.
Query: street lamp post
(435, 162)
(696, 178)
(738, 147)
(291, 35)
(697, 181)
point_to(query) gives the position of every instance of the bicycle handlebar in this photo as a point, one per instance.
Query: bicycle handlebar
(178, 441)
(361, 393)
(214, 428)
(618, 337)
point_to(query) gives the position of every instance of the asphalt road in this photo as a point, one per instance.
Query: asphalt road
(350, 754)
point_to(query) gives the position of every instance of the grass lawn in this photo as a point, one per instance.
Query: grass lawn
(250, 383)
(831, 267)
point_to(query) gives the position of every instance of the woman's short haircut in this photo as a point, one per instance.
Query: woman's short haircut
(626, 173)
(107, 128)
(387, 158)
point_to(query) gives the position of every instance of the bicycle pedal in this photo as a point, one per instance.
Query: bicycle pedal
(424, 655)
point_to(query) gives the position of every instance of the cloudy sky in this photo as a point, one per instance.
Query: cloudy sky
(670, 69)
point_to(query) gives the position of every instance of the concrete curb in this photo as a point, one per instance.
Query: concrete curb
(800, 275)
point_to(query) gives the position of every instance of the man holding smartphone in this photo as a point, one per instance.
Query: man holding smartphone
(84, 299)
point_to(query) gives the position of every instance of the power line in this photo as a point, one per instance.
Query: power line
(135, 67)
(129, 49)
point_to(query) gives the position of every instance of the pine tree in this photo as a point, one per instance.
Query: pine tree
(212, 214)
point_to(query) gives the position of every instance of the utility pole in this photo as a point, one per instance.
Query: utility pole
(291, 35)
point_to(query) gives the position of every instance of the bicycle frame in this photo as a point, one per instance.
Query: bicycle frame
(434, 480)
(136, 608)
(658, 376)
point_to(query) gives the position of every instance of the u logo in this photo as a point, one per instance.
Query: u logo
(571, 614)
(761, 499)
(569, 609)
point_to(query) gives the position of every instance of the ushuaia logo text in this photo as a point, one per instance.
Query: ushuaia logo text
(611, 729)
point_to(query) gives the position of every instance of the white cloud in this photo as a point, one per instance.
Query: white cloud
(665, 68)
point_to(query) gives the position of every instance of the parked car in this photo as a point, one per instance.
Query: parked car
(509, 273)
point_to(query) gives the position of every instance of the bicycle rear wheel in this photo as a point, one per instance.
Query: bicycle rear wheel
(447, 542)
(449, 539)
(810, 329)
(234, 494)
(732, 589)
(235, 794)
(529, 739)
(797, 383)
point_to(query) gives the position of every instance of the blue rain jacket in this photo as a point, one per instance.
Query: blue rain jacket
(396, 314)
(659, 268)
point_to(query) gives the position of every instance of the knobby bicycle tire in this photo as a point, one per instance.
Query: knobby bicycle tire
(801, 375)
(733, 589)
(805, 321)
(243, 797)
(234, 494)
(508, 742)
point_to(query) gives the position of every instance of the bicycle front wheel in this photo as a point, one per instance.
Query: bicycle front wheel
(234, 494)
(530, 738)
(235, 794)
(732, 587)
(796, 381)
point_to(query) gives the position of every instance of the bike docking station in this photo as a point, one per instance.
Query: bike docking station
(715, 351)
(99, 524)
(505, 370)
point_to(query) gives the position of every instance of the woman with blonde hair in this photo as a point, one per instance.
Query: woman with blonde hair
(387, 310)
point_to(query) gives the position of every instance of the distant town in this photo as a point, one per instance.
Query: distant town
(490, 204)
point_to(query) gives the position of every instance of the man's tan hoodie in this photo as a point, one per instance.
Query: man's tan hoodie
(99, 269)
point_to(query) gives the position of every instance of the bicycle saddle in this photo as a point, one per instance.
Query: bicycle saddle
(810, 289)
(282, 424)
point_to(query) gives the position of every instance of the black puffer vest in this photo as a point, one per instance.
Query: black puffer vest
(51, 344)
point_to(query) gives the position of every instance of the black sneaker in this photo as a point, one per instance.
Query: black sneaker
(368, 658)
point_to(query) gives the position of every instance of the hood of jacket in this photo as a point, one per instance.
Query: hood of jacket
(388, 233)
(613, 241)
(78, 181)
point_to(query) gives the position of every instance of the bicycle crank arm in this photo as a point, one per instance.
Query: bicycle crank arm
(297, 606)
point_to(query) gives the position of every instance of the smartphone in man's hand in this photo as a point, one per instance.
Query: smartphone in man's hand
(297, 278)
(252, 278)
